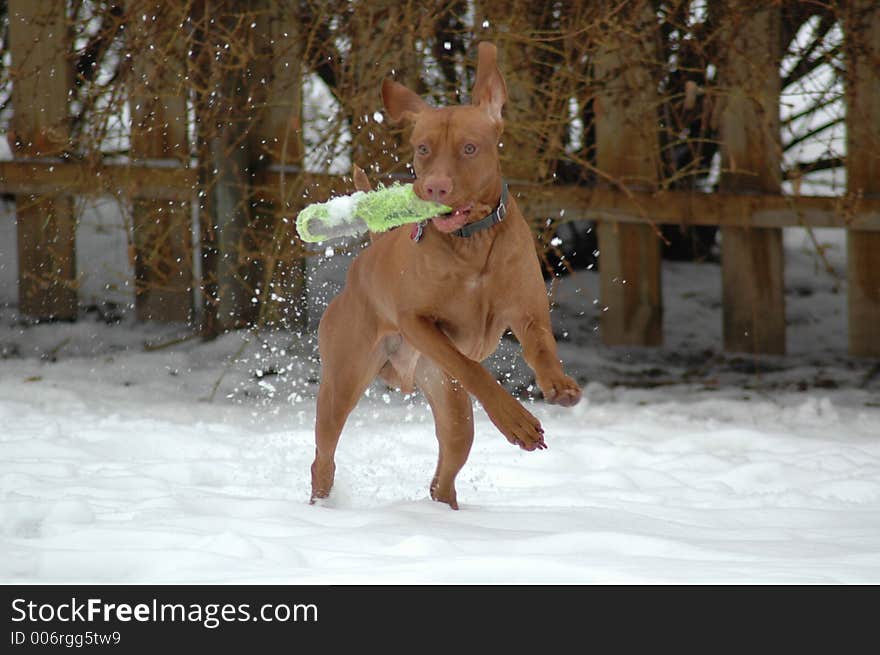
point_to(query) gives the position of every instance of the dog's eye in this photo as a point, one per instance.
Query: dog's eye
(469, 148)
(422, 149)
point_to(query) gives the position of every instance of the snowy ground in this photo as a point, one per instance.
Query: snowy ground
(683, 464)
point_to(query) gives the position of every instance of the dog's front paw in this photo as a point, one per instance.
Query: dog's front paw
(561, 391)
(516, 423)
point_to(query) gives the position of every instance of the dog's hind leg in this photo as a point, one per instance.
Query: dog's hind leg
(351, 356)
(454, 425)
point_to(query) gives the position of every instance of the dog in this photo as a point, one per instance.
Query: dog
(423, 307)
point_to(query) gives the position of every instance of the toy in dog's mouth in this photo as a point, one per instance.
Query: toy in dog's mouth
(454, 220)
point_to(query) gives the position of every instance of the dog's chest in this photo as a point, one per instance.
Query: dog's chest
(470, 316)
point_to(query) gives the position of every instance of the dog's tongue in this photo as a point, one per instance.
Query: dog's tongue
(452, 222)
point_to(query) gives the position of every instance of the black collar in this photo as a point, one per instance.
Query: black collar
(492, 219)
(470, 229)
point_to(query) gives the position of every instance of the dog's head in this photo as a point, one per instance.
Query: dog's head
(455, 149)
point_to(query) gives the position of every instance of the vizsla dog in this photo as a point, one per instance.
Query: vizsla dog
(423, 307)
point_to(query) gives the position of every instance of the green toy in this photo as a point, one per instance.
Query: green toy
(376, 211)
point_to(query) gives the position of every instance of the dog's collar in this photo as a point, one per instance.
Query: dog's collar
(492, 219)
(477, 226)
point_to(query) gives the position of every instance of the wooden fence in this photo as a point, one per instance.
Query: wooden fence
(162, 184)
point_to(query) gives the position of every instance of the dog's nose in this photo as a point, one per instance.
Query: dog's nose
(438, 187)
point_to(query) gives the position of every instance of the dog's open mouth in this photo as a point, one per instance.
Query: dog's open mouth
(455, 220)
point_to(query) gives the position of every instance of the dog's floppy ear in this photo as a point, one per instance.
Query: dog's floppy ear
(490, 91)
(401, 104)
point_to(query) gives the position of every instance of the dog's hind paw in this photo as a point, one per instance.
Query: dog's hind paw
(328, 502)
(322, 480)
(444, 498)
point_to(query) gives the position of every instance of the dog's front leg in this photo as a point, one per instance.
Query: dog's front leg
(514, 421)
(539, 350)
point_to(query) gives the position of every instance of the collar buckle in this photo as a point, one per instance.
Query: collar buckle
(501, 212)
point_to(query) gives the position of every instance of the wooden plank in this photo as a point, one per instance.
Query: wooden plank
(625, 288)
(863, 276)
(689, 208)
(40, 126)
(165, 179)
(159, 179)
(297, 189)
(59, 178)
(862, 39)
(628, 152)
(161, 229)
(752, 260)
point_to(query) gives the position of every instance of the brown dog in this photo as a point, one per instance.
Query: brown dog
(423, 307)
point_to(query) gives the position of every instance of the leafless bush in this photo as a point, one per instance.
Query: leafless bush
(255, 94)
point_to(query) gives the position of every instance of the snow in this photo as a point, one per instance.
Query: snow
(340, 209)
(189, 463)
(104, 482)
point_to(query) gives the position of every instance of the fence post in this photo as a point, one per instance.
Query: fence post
(752, 261)
(276, 141)
(46, 227)
(862, 39)
(162, 229)
(627, 151)
(510, 27)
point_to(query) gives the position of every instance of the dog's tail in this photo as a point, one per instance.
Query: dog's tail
(362, 183)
